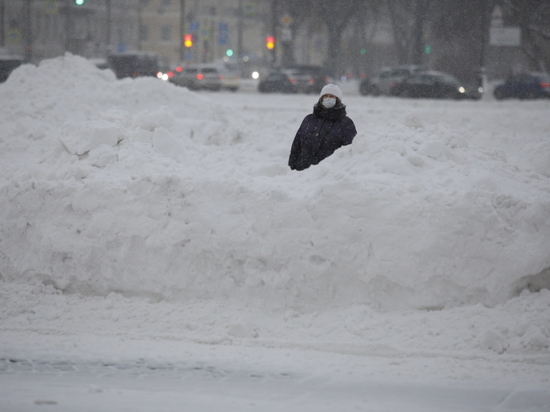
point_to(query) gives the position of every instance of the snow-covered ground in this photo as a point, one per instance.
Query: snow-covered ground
(156, 253)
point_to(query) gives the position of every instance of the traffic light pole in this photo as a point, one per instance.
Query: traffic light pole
(182, 29)
(274, 24)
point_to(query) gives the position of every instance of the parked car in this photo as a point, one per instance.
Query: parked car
(206, 77)
(278, 81)
(309, 78)
(294, 79)
(133, 64)
(7, 65)
(383, 81)
(432, 84)
(524, 86)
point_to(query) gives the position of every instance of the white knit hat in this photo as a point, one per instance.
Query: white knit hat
(332, 89)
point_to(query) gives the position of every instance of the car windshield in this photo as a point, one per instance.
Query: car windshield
(400, 72)
(307, 70)
(445, 78)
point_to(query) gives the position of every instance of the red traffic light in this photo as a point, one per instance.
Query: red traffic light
(270, 42)
(188, 40)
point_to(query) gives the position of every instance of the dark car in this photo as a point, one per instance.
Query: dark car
(309, 78)
(524, 86)
(432, 84)
(278, 81)
(133, 64)
(7, 65)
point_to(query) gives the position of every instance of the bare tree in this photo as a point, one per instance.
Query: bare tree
(533, 18)
(409, 21)
(299, 12)
(337, 15)
(461, 30)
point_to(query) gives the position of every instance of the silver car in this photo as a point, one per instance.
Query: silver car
(383, 81)
(206, 77)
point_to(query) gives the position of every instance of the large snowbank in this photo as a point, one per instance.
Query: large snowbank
(146, 189)
(156, 251)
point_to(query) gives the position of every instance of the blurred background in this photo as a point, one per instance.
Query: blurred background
(349, 38)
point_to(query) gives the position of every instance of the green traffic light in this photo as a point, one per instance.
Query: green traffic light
(229, 53)
(79, 2)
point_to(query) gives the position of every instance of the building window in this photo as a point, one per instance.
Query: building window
(166, 33)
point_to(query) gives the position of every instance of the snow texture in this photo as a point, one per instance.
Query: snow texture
(137, 209)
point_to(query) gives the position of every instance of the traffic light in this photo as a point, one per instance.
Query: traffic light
(79, 2)
(188, 40)
(270, 42)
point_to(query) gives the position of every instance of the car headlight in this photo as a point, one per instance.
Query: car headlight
(462, 89)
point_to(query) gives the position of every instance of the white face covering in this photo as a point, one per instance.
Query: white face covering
(329, 102)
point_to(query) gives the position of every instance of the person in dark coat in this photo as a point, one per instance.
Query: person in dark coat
(323, 131)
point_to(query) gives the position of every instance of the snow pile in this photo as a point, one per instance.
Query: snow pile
(145, 189)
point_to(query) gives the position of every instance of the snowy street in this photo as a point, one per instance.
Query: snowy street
(157, 253)
(143, 385)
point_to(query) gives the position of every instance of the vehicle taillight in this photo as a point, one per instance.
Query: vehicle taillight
(545, 85)
(170, 74)
(179, 69)
(292, 80)
(311, 81)
(200, 76)
(220, 77)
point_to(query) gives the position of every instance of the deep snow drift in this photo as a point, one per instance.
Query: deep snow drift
(142, 188)
(137, 207)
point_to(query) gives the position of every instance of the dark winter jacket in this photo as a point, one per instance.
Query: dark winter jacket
(319, 135)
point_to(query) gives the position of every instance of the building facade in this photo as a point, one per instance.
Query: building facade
(232, 28)
(39, 29)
